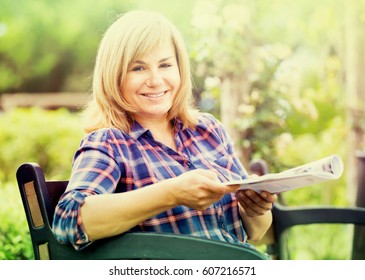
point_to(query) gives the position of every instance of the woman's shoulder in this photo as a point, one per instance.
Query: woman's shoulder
(212, 125)
(209, 121)
(104, 135)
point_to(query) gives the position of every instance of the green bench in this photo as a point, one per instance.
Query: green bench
(40, 197)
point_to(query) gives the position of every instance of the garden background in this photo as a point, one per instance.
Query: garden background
(283, 76)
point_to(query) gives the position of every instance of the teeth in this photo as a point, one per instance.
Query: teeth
(155, 95)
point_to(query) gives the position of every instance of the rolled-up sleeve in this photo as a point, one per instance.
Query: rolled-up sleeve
(67, 223)
(94, 171)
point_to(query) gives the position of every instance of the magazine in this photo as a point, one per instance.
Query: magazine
(315, 172)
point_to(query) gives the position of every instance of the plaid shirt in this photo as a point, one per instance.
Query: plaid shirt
(110, 160)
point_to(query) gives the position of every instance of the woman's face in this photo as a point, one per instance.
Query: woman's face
(152, 82)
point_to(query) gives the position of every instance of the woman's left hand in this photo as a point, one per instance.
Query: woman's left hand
(255, 204)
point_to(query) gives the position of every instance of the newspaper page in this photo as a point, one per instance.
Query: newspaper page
(315, 172)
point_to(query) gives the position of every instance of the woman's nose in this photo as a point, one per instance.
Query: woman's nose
(154, 79)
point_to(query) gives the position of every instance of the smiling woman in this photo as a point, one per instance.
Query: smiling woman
(146, 163)
(151, 85)
(126, 49)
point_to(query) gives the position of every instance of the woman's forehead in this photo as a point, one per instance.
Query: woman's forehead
(161, 51)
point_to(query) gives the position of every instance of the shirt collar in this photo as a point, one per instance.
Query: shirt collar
(178, 125)
(138, 130)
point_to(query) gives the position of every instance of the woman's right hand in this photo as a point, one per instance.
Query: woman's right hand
(199, 189)
(107, 215)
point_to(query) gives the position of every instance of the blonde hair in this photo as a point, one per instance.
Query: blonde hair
(133, 35)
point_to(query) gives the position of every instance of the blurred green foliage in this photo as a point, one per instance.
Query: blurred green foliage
(47, 137)
(294, 110)
(45, 43)
(320, 242)
(49, 46)
(15, 243)
(290, 86)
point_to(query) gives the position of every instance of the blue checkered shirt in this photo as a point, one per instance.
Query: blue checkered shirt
(110, 161)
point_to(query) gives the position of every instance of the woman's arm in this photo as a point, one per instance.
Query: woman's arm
(107, 215)
(255, 211)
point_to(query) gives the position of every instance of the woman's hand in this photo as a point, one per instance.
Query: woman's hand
(199, 189)
(255, 204)
(255, 212)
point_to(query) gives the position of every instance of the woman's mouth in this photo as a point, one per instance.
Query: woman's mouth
(154, 95)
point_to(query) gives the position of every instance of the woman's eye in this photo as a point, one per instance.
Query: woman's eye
(137, 68)
(165, 65)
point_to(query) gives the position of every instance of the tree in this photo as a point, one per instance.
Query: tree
(51, 45)
(354, 57)
(223, 52)
(278, 65)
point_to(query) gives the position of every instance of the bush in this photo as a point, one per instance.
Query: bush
(320, 242)
(48, 138)
(15, 243)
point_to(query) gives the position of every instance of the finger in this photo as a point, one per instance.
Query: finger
(250, 208)
(254, 201)
(269, 196)
(221, 188)
(254, 196)
(262, 199)
(232, 188)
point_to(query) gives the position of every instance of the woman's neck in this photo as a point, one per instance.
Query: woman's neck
(162, 130)
(154, 124)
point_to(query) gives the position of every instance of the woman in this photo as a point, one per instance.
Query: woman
(150, 161)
